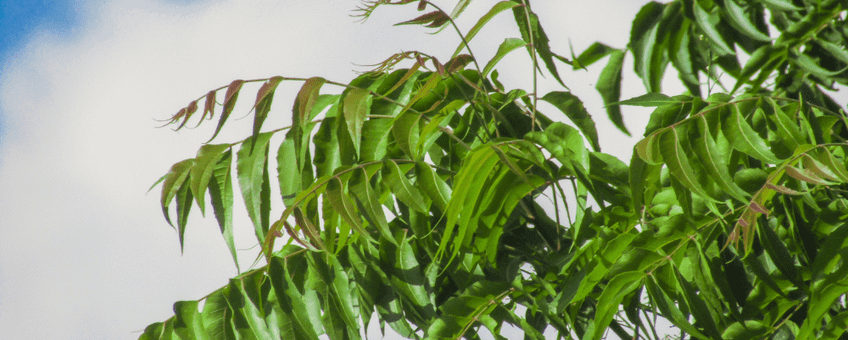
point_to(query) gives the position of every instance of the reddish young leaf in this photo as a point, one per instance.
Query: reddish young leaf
(434, 19)
(229, 103)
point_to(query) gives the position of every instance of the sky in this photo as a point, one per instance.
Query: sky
(85, 252)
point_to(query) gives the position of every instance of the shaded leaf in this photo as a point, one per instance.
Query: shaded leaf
(609, 86)
(573, 108)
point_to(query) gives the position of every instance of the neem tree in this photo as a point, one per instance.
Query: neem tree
(416, 194)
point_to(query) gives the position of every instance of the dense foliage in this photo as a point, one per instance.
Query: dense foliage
(418, 193)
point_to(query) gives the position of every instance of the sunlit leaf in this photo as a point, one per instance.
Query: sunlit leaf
(495, 10)
(252, 169)
(355, 109)
(708, 23)
(739, 19)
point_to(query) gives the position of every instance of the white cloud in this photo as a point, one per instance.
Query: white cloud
(85, 254)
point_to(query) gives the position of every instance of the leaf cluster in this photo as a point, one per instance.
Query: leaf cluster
(423, 195)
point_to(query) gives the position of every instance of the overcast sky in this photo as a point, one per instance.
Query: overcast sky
(84, 252)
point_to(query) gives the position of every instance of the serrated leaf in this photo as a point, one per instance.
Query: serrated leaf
(468, 184)
(345, 207)
(649, 148)
(609, 86)
(306, 98)
(495, 10)
(209, 106)
(827, 159)
(252, 169)
(678, 162)
(290, 298)
(509, 45)
(368, 203)
(532, 32)
(355, 108)
(644, 37)
(708, 23)
(172, 182)
(650, 99)
(241, 298)
(433, 185)
(714, 162)
(405, 130)
(202, 169)
(743, 138)
(593, 53)
(806, 176)
(264, 98)
(221, 195)
(740, 21)
(573, 108)
(229, 103)
(807, 63)
(403, 188)
(611, 298)
(184, 200)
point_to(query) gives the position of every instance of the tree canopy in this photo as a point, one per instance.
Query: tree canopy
(423, 194)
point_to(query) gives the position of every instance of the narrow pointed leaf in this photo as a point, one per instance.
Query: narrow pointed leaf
(708, 23)
(609, 86)
(369, 206)
(306, 98)
(743, 138)
(678, 162)
(345, 207)
(172, 182)
(433, 185)
(202, 169)
(402, 187)
(509, 45)
(184, 203)
(532, 31)
(573, 108)
(264, 98)
(355, 109)
(221, 195)
(740, 20)
(715, 163)
(229, 103)
(495, 10)
(252, 177)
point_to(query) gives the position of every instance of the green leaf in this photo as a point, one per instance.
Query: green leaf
(708, 23)
(784, 5)
(750, 329)
(355, 109)
(242, 299)
(740, 21)
(345, 207)
(593, 53)
(611, 298)
(221, 194)
(609, 86)
(468, 184)
(668, 307)
(509, 45)
(252, 169)
(573, 108)
(649, 99)
(533, 33)
(369, 206)
(402, 187)
(184, 199)
(649, 148)
(495, 10)
(406, 133)
(409, 276)
(201, 171)
(743, 138)
(229, 103)
(172, 182)
(188, 323)
(291, 300)
(644, 42)
(715, 162)
(434, 186)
